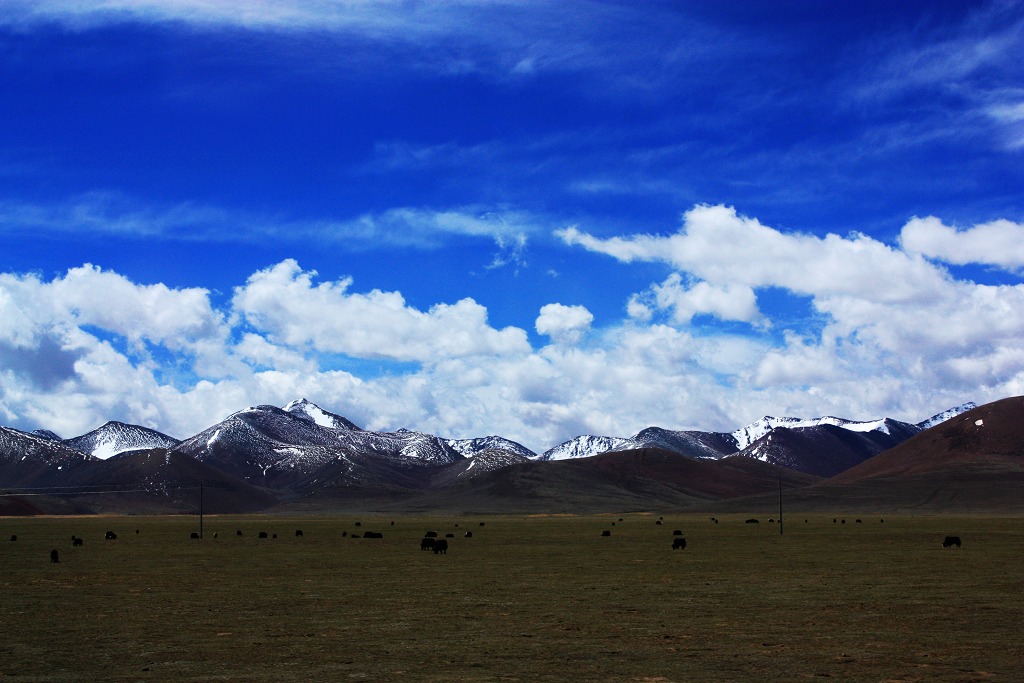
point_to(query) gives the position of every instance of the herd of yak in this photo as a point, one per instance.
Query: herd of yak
(439, 546)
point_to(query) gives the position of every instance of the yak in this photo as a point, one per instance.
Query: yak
(951, 541)
(441, 546)
(679, 543)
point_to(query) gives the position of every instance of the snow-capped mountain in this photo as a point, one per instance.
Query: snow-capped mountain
(946, 415)
(584, 447)
(754, 431)
(30, 460)
(114, 438)
(826, 448)
(264, 455)
(306, 445)
(691, 443)
(471, 447)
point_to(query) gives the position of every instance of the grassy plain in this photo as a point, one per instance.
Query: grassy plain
(524, 599)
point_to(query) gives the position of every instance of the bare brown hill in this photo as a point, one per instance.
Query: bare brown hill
(989, 438)
(641, 479)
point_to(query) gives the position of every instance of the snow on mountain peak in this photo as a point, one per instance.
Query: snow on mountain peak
(311, 412)
(114, 438)
(946, 415)
(754, 431)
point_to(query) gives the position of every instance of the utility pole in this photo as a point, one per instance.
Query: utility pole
(780, 506)
(201, 511)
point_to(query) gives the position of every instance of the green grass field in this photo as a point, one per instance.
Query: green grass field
(525, 599)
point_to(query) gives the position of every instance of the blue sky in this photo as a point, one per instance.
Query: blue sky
(535, 219)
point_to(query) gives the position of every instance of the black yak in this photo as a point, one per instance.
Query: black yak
(441, 546)
(679, 543)
(951, 541)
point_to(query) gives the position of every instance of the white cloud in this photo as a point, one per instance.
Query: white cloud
(564, 324)
(720, 247)
(68, 363)
(283, 302)
(726, 302)
(997, 243)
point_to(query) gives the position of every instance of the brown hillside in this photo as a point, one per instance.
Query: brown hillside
(989, 438)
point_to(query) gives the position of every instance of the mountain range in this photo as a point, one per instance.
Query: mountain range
(302, 457)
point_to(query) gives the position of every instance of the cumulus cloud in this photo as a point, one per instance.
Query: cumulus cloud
(720, 247)
(887, 313)
(565, 324)
(284, 302)
(725, 302)
(68, 363)
(998, 243)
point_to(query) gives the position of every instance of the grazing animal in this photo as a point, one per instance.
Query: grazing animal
(842, 521)
(373, 534)
(215, 534)
(677, 532)
(834, 520)
(194, 536)
(679, 543)
(355, 536)
(753, 521)
(14, 537)
(427, 544)
(359, 523)
(658, 522)
(274, 536)
(238, 533)
(431, 534)
(111, 536)
(441, 546)
(344, 534)
(857, 521)
(469, 534)
(76, 542)
(263, 534)
(54, 557)
(298, 533)
(771, 521)
(950, 541)
(449, 535)
(481, 523)
(606, 532)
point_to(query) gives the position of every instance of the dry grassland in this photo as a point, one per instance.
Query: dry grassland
(524, 599)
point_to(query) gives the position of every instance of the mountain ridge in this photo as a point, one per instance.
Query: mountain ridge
(302, 457)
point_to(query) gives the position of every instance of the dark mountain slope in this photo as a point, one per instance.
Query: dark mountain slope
(644, 479)
(27, 460)
(825, 450)
(159, 481)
